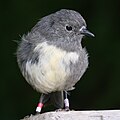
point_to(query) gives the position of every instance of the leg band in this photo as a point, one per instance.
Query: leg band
(66, 101)
(39, 107)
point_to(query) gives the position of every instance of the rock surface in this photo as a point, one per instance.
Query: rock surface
(77, 115)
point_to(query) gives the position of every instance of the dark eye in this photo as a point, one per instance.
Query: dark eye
(69, 28)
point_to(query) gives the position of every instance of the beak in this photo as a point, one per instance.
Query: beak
(84, 31)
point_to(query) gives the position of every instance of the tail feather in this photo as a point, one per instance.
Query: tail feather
(57, 98)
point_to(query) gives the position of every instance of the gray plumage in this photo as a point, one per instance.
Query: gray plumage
(50, 56)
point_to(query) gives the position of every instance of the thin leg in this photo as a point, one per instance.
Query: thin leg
(66, 101)
(43, 99)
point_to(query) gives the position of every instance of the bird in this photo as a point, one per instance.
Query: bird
(51, 57)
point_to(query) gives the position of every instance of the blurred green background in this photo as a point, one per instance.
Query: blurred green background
(99, 88)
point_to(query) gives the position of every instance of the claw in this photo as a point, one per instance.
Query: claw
(67, 109)
(59, 110)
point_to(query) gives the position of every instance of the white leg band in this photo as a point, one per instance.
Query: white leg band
(38, 109)
(66, 101)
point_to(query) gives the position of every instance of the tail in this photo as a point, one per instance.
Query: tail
(57, 98)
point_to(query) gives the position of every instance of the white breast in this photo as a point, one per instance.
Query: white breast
(52, 70)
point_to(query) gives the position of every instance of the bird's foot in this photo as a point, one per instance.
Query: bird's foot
(37, 113)
(59, 110)
(67, 109)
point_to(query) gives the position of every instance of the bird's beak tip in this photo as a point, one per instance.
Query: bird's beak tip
(86, 32)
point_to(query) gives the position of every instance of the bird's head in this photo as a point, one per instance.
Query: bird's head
(64, 23)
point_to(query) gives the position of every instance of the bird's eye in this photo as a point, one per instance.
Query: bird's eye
(69, 28)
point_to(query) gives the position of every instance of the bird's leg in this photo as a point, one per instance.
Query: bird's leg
(43, 99)
(66, 101)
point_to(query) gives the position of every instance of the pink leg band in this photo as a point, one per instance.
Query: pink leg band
(39, 107)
